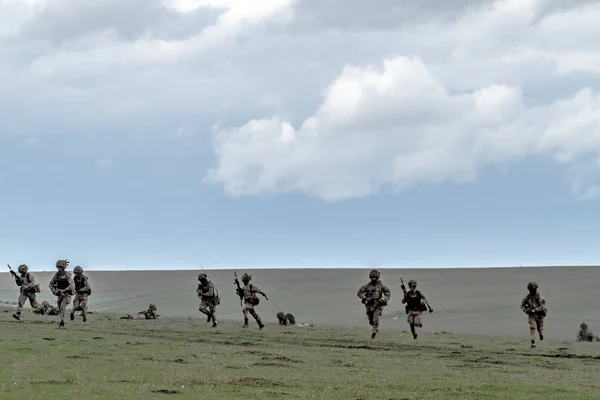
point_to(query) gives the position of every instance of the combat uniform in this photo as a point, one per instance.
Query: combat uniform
(82, 291)
(374, 295)
(251, 300)
(416, 303)
(28, 290)
(534, 305)
(209, 299)
(63, 287)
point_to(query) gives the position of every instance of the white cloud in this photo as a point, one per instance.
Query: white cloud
(398, 127)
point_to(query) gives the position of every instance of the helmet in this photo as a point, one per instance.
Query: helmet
(202, 276)
(22, 269)
(45, 303)
(246, 277)
(78, 270)
(412, 283)
(374, 274)
(583, 326)
(532, 285)
(62, 264)
(152, 307)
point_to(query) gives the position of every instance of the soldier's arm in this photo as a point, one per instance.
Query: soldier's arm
(31, 283)
(86, 286)
(51, 284)
(542, 303)
(256, 289)
(362, 292)
(71, 287)
(387, 293)
(424, 299)
(524, 304)
(211, 290)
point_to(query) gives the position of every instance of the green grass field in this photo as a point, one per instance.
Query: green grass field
(182, 358)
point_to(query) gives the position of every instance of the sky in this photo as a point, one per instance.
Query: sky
(299, 133)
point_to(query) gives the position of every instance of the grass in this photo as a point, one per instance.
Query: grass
(181, 358)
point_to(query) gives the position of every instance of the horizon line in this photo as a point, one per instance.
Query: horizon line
(364, 267)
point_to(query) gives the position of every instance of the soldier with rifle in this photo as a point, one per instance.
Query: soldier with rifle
(416, 303)
(534, 305)
(28, 289)
(250, 300)
(374, 295)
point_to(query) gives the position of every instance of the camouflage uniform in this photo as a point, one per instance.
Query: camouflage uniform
(63, 287)
(28, 290)
(374, 295)
(46, 309)
(416, 303)
(82, 291)
(251, 300)
(209, 298)
(585, 335)
(534, 305)
(284, 319)
(150, 313)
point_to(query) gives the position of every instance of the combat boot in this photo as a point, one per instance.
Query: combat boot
(209, 318)
(62, 324)
(214, 324)
(541, 337)
(17, 315)
(72, 315)
(373, 335)
(245, 323)
(532, 343)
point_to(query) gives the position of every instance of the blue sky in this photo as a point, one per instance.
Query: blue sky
(286, 136)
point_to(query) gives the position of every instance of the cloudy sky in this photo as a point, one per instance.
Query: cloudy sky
(417, 133)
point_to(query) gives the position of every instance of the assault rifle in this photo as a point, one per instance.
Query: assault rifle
(17, 277)
(404, 290)
(239, 291)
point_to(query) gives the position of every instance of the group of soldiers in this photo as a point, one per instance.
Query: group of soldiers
(62, 285)
(374, 294)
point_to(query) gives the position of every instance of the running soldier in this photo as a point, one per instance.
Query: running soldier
(209, 298)
(416, 303)
(63, 287)
(28, 289)
(534, 305)
(374, 295)
(248, 294)
(82, 291)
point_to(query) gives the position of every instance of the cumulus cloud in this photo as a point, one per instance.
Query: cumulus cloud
(397, 126)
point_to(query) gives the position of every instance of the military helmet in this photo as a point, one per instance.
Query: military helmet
(152, 307)
(246, 277)
(78, 270)
(374, 274)
(583, 326)
(412, 283)
(22, 269)
(202, 276)
(532, 285)
(62, 264)
(45, 303)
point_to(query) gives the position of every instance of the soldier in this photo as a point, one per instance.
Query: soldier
(150, 313)
(534, 305)
(209, 298)
(46, 309)
(585, 335)
(82, 291)
(374, 295)
(63, 287)
(416, 303)
(28, 290)
(248, 293)
(284, 319)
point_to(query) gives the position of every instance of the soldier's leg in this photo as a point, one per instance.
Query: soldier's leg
(245, 312)
(411, 321)
(83, 307)
(76, 306)
(213, 313)
(376, 315)
(62, 308)
(257, 318)
(204, 310)
(370, 316)
(540, 326)
(20, 304)
(532, 328)
(418, 319)
(33, 302)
